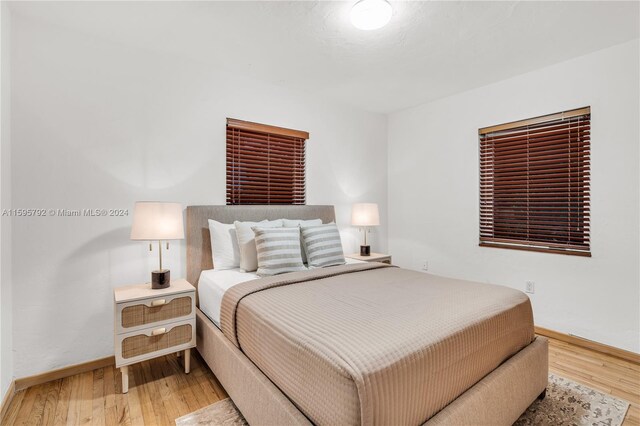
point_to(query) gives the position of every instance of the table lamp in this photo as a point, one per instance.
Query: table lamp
(157, 221)
(365, 215)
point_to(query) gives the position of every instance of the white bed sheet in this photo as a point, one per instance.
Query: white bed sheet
(212, 286)
(214, 283)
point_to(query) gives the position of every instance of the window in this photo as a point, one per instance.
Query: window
(534, 184)
(265, 164)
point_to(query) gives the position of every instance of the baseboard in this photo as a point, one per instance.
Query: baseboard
(590, 344)
(61, 373)
(6, 400)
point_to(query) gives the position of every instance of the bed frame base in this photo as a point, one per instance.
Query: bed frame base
(498, 399)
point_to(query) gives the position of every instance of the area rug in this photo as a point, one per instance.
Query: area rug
(223, 412)
(570, 403)
(567, 404)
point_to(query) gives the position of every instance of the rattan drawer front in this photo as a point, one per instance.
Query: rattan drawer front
(136, 315)
(142, 344)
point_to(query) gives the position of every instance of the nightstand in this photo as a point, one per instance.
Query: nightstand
(375, 257)
(152, 323)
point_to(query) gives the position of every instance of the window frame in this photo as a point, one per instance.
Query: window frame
(261, 163)
(578, 185)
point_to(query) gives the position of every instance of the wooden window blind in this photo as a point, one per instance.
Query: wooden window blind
(265, 164)
(534, 184)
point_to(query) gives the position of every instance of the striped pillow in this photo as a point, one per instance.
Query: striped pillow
(298, 223)
(323, 245)
(278, 250)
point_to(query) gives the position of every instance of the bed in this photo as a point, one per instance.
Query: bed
(363, 343)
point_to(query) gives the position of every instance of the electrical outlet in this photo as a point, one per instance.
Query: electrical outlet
(425, 265)
(530, 287)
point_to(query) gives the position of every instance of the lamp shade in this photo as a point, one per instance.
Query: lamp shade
(157, 221)
(365, 214)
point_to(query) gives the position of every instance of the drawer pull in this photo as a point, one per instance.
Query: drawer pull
(158, 331)
(158, 302)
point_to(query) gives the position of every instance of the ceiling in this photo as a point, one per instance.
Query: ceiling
(429, 50)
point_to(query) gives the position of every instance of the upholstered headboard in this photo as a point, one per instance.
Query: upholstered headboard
(198, 239)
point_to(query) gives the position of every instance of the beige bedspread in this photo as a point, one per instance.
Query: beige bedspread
(373, 344)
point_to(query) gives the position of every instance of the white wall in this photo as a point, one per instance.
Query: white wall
(433, 193)
(101, 125)
(6, 312)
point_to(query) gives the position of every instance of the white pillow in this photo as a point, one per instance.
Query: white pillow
(224, 245)
(288, 223)
(247, 242)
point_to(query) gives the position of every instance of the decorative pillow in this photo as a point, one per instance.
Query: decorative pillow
(288, 223)
(278, 250)
(224, 245)
(247, 242)
(323, 245)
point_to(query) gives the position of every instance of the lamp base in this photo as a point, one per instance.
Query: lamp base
(365, 250)
(160, 279)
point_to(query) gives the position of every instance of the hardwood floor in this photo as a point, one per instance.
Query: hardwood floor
(602, 372)
(159, 391)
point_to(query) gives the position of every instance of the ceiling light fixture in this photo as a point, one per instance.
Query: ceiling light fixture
(371, 14)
